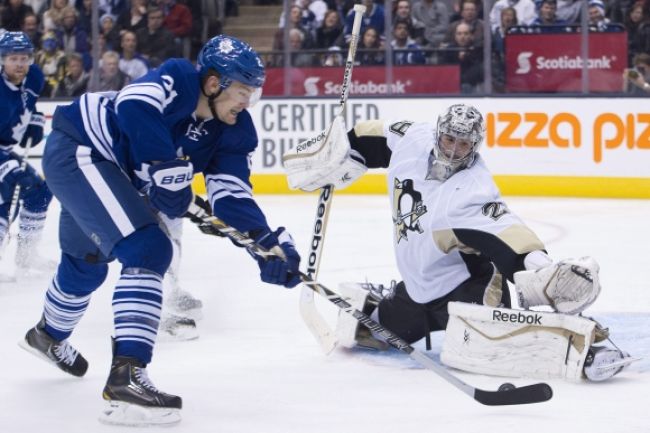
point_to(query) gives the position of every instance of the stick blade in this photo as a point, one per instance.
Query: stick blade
(536, 393)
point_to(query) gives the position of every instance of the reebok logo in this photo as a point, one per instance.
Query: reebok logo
(520, 317)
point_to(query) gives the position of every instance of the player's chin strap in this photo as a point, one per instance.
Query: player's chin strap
(212, 98)
(535, 393)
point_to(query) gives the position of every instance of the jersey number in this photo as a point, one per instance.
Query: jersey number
(494, 210)
(400, 128)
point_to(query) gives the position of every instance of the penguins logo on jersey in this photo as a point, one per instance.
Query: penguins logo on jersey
(407, 209)
(495, 209)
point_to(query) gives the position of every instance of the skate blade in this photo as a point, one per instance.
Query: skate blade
(126, 414)
(622, 363)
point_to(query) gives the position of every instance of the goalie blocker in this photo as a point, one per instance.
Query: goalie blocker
(326, 159)
(515, 343)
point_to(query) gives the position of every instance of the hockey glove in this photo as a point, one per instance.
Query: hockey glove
(11, 173)
(171, 187)
(34, 130)
(284, 268)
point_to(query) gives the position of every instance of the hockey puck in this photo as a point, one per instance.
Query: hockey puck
(507, 387)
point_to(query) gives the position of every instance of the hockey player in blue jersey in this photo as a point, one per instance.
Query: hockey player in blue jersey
(20, 123)
(111, 157)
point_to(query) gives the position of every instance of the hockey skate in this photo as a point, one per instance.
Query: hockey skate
(364, 297)
(604, 362)
(184, 304)
(30, 264)
(59, 353)
(132, 399)
(177, 328)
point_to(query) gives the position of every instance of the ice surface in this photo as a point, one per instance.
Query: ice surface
(257, 369)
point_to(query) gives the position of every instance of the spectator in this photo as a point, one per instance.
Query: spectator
(547, 14)
(525, 12)
(295, 22)
(30, 28)
(155, 42)
(307, 18)
(333, 57)
(84, 15)
(13, 15)
(373, 17)
(110, 31)
(51, 60)
(402, 11)
(434, 16)
(330, 33)
(316, 7)
(75, 82)
(74, 39)
(53, 17)
(131, 62)
(637, 80)
(468, 15)
(135, 18)
(38, 6)
(508, 19)
(110, 76)
(463, 52)
(178, 18)
(597, 18)
(370, 51)
(569, 10)
(113, 7)
(299, 59)
(633, 21)
(405, 50)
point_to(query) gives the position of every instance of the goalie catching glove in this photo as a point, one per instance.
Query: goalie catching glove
(568, 286)
(324, 160)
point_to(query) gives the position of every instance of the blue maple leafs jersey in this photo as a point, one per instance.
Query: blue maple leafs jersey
(17, 103)
(152, 119)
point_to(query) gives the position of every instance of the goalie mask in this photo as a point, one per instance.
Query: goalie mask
(459, 135)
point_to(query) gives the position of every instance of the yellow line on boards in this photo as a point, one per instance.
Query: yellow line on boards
(551, 186)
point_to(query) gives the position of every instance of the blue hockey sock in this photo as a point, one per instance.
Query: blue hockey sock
(137, 303)
(62, 311)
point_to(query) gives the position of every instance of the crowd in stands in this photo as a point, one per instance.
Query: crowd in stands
(445, 31)
(134, 36)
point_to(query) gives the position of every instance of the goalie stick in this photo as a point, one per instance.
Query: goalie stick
(507, 394)
(315, 322)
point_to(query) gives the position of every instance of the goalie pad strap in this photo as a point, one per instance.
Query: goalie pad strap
(515, 343)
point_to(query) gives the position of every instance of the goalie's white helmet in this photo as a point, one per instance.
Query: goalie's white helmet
(459, 135)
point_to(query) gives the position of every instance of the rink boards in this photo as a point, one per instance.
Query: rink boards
(579, 147)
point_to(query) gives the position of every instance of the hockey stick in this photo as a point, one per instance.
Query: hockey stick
(15, 198)
(315, 322)
(507, 394)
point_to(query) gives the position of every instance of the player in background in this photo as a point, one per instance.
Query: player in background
(456, 240)
(113, 156)
(20, 123)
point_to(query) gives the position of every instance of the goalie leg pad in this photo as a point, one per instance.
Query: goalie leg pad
(569, 286)
(349, 332)
(515, 343)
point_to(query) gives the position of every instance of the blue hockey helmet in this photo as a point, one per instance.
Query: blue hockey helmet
(15, 43)
(233, 60)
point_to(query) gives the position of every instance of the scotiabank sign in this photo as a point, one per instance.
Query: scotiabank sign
(553, 62)
(366, 81)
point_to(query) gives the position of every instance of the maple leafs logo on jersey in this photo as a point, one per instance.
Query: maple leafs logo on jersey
(19, 128)
(407, 209)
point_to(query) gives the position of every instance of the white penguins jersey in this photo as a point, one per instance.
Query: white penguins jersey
(429, 215)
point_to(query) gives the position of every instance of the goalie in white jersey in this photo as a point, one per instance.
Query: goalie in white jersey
(457, 243)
